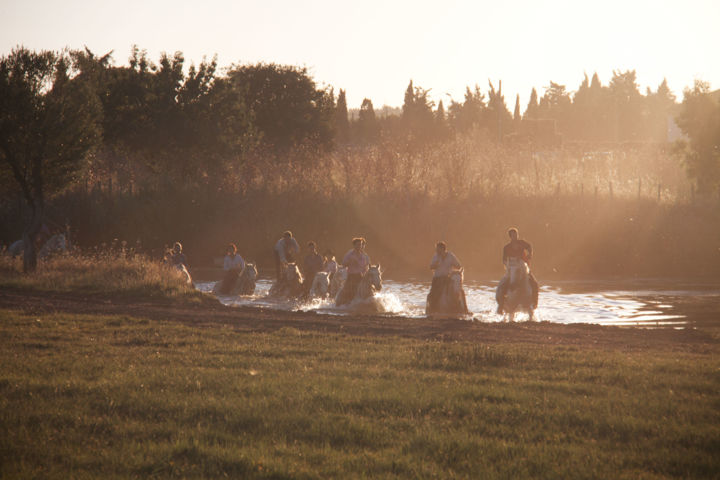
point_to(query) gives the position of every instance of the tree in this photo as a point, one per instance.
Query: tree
(288, 108)
(342, 124)
(469, 114)
(660, 105)
(367, 124)
(699, 119)
(417, 114)
(499, 115)
(627, 102)
(532, 109)
(49, 124)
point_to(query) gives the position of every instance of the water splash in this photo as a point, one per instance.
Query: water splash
(648, 308)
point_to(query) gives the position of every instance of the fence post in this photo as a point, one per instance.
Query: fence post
(659, 187)
(639, 187)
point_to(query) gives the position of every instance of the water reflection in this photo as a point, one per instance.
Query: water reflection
(558, 304)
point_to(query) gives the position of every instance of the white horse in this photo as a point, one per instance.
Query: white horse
(245, 285)
(365, 299)
(337, 281)
(290, 285)
(452, 297)
(518, 296)
(55, 244)
(321, 285)
(183, 273)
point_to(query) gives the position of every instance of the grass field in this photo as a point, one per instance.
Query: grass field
(123, 397)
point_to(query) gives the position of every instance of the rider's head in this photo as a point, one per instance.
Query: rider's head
(177, 248)
(231, 249)
(513, 233)
(287, 234)
(358, 243)
(441, 247)
(312, 247)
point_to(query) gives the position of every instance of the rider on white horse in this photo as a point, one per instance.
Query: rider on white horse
(233, 265)
(357, 263)
(285, 250)
(443, 263)
(521, 249)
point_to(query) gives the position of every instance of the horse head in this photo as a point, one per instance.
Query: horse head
(292, 275)
(374, 274)
(518, 270)
(320, 285)
(250, 271)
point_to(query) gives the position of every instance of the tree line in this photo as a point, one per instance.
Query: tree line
(73, 118)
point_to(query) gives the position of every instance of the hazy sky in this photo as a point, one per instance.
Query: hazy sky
(373, 48)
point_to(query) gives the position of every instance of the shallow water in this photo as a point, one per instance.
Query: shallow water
(645, 305)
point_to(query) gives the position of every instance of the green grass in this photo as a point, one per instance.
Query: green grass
(121, 397)
(131, 276)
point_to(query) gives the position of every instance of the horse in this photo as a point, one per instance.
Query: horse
(518, 296)
(337, 281)
(320, 285)
(227, 284)
(290, 284)
(452, 297)
(55, 244)
(364, 296)
(183, 273)
(245, 285)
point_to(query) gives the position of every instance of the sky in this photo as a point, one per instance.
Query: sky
(372, 49)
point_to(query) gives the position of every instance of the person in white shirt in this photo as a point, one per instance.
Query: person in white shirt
(285, 250)
(443, 263)
(357, 263)
(233, 265)
(233, 261)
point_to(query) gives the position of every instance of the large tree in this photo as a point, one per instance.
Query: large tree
(287, 107)
(49, 123)
(699, 119)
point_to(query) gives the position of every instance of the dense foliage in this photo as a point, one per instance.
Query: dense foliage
(166, 149)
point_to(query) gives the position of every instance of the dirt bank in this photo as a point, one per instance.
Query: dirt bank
(263, 320)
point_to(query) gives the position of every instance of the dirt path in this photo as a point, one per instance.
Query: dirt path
(264, 320)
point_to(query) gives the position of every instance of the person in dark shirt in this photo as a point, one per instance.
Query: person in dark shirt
(178, 257)
(519, 249)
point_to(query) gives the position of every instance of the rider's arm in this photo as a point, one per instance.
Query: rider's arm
(528, 247)
(505, 249)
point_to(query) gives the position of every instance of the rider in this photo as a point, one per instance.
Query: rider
(233, 265)
(357, 263)
(313, 264)
(285, 250)
(177, 257)
(521, 249)
(443, 263)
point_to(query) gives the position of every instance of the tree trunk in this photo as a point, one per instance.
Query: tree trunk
(29, 236)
